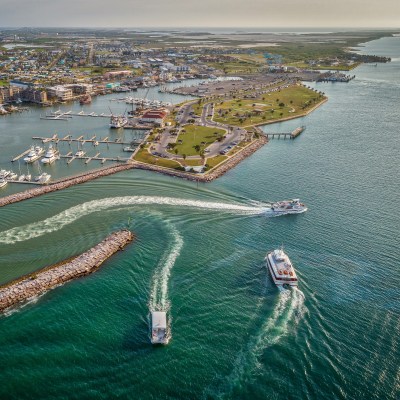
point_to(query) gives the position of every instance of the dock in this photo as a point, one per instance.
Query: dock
(81, 139)
(290, 135)
(16, 158)
(39, 282)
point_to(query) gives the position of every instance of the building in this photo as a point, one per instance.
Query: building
(156, 117)
(60, 92)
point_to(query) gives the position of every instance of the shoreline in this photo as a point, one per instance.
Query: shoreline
(22, 289)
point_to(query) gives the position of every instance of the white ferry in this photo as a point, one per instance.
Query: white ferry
(281, 268)
(288, 207)
(34, 154)
(118, 121)
(50, 156)
(159, 327)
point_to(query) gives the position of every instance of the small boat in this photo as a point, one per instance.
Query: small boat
(80, 153)
(281, 268)
(4, 173)
(129, 149)
(3, 183)
(28, 177)
(159, 327)
(21, 178)
(12, 176)
(288, 207)
(43, 177)
(50, 156)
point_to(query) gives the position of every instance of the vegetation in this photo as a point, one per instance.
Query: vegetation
(214, 161)
(287, 102)
(143, 155)
(193, 138)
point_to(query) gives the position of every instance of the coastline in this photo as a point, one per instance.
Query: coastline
(37, 283)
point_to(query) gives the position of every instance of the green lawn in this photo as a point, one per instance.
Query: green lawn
(144, 156)
(195, 135)
(285, 103)
(213, 161)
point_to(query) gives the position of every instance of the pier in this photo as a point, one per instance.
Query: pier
(290, 135)
(81, 139)
(39, 282)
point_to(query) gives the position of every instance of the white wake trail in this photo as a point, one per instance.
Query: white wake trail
(159, 294)
(52, 224)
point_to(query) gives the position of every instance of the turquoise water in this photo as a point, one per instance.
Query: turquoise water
(199, 253)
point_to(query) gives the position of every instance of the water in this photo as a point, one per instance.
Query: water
(199, 254)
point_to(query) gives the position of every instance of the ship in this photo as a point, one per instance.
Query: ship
(118, 121)
(86, 99)
(34, 154)
(288, 207)
(159, 327)
(43, 178)
(281, 268)
(50, 156)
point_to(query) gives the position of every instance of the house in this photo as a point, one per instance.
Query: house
(155, 117)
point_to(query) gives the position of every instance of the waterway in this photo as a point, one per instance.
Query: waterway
(199, 254)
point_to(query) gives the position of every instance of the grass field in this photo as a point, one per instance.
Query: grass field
(144, 156)
(194, 135)
(213, 161)
(287, 102)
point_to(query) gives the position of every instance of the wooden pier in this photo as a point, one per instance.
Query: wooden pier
(16, 158)
(96, 157)
(290, 135)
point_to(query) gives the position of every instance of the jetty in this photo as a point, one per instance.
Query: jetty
(39, 282)
(290, 135)
(81, 139)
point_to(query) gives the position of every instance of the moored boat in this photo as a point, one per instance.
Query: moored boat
(281, 268)
(118, 121)
(50, 156)
(34, 154)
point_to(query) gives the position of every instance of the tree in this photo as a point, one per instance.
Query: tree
(197, 147)
(176, 151)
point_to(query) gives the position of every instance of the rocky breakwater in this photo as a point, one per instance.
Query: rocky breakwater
(63, 184)
(39, 282)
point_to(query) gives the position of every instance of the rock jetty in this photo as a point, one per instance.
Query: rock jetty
(39, 282)
(63, 184)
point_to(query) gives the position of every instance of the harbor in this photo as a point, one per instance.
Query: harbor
(36, 284)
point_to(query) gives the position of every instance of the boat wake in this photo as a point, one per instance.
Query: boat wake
(52, 224)
(159, 292)
(287, 313)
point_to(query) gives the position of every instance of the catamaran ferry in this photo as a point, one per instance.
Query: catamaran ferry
(288, 207)
(281, 268)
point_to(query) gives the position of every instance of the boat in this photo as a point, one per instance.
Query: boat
(159, 327)
(129, 149)
(288, 207)
(43, 177)
(86, 99)
(50, 156)
(12, 176)
(281, 268)
(118, 121)
(34, 154)
(80, 153)
(4, 173)
(3, 183)
(21, 178)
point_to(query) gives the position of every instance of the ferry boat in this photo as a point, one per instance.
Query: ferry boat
(43, 178)
(159, 327)
(288, 207)
(281, 268)
(50, 156)
(34, 154)
(118, 121)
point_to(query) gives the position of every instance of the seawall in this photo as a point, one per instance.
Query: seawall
(39, 282)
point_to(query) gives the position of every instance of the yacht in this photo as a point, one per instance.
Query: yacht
(159, 327)
(3, 183)
(288, 207)
(50, 156)
(43, 177)
(281, 268)
(118, 121)
(4, 173)
(34, 154)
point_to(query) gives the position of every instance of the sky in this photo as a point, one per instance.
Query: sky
(201, 13)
